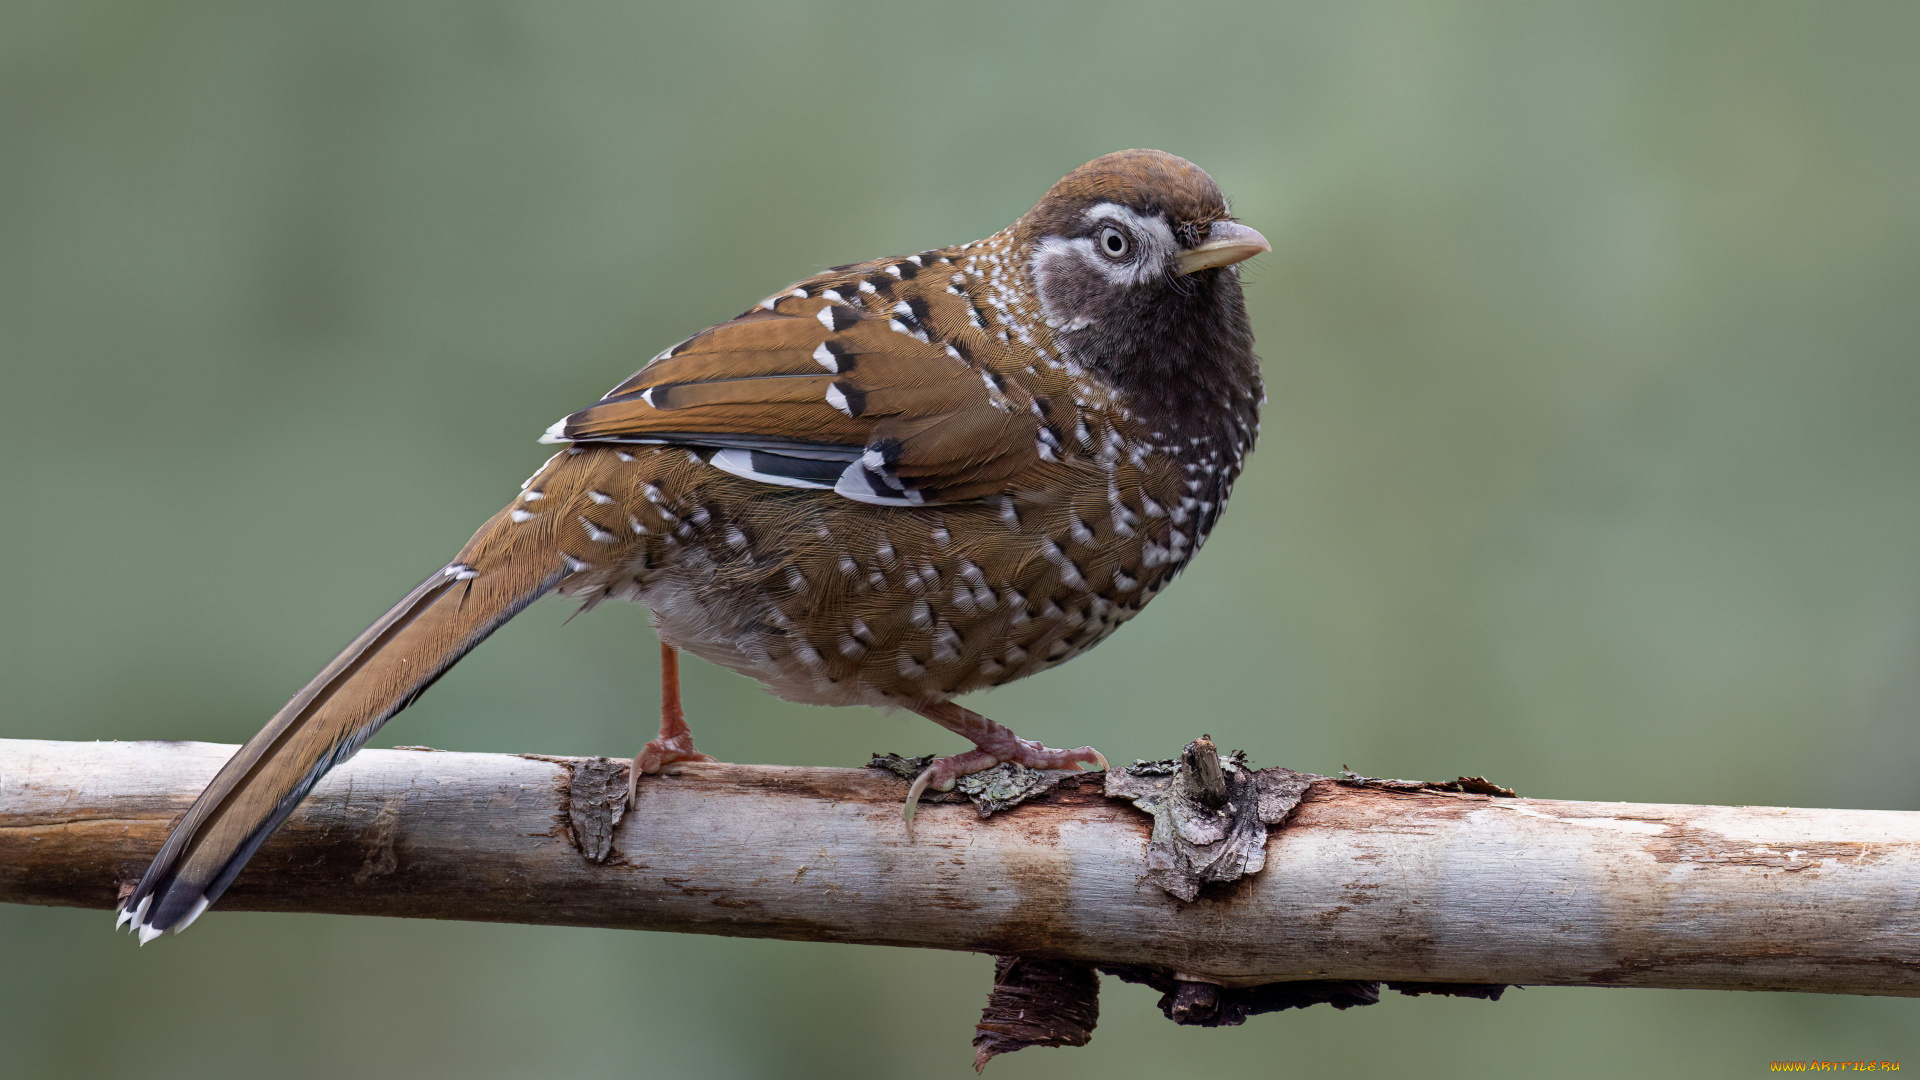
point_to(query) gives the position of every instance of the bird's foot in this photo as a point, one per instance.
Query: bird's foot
(659, 752)
(675, 741)
(666, 751)
(994, 744)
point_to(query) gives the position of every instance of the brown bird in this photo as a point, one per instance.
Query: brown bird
(891, 484)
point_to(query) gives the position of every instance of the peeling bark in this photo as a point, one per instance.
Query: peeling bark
(1036, 1002)
(1210, 814)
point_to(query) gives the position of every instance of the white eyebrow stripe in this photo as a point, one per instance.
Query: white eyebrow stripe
(1154, 226)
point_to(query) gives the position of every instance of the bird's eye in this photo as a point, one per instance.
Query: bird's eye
(1113, 243)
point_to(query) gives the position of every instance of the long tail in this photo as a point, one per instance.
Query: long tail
(383, 671)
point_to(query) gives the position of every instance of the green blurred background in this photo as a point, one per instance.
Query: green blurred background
(1592, 462)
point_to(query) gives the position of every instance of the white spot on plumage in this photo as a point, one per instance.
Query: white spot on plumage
(461, 572)
(838, 400)
(825, 358)
(600, 497)
(946, 644)
(867, 287)
(573, 565)
(597, 534)
(826, 316)
(518, 516)
(623, 455)
(736, 539)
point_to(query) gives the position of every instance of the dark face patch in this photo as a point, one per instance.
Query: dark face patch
(1181, 344)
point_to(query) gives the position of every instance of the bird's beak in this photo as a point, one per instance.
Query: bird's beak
(1228, 242)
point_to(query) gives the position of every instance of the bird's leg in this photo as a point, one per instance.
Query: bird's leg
(994, 744)
(675, 741)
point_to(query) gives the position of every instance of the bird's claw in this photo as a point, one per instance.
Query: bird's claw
(944, 772)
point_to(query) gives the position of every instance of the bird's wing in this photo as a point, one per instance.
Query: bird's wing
(827, 387)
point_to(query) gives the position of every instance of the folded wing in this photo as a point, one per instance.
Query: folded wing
(816, 391)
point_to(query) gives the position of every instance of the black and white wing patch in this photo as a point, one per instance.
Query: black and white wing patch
(863, 475)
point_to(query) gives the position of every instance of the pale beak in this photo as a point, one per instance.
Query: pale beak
(1228, 242)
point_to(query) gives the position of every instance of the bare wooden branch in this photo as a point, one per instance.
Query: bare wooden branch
(1358, 884)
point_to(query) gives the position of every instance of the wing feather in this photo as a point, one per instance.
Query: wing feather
(885, 408)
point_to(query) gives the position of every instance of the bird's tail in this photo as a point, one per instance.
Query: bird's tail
(500, 571)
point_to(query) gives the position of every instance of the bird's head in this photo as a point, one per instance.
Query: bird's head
(1135, 260)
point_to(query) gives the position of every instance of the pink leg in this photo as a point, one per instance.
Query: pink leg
(675, 741)
(994, 744)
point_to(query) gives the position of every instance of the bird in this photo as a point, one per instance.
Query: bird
(893, 483)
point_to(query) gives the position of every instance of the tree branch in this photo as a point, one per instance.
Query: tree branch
(1359, 884)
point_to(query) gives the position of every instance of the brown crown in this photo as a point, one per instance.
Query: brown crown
(1147, 181)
